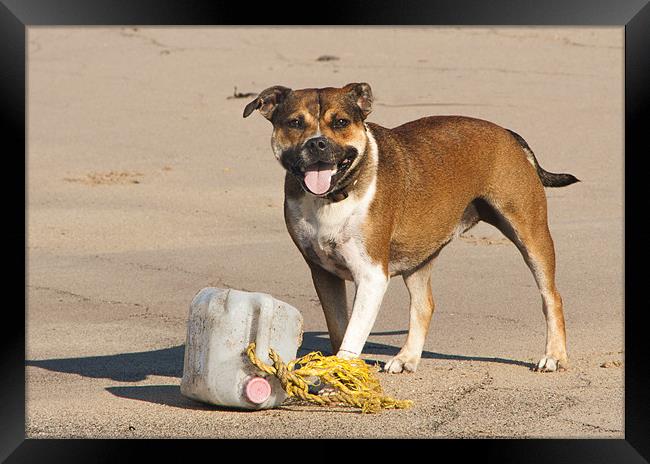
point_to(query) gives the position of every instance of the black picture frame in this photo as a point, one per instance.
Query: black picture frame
(633, 15)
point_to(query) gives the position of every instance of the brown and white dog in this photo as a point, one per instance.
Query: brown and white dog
(365, 203)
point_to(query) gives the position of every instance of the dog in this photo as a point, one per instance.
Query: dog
(365, 203)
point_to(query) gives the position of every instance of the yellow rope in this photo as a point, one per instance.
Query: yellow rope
(353, 380)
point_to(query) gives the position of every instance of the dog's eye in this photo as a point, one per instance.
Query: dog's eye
(340, 123)
(294, 123)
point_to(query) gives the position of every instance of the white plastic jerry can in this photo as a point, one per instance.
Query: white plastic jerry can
(222, 323)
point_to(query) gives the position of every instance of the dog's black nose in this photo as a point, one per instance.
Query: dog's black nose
(318, 144)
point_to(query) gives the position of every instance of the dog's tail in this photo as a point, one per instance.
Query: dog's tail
(548, 179)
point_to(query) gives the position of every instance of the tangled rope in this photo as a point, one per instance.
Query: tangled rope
(353, 380)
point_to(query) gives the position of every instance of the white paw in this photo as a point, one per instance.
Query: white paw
(399, 364)
(327, 391)
(550, 364)
(346, 354)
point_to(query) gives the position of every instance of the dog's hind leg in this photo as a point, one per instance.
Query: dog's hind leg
(421, 309)
(333, 299)
(525, 224)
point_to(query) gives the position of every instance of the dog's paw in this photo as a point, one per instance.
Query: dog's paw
(346, 354)
(551, 364)
(400, 364)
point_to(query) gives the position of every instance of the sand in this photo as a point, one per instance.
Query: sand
(145, 184)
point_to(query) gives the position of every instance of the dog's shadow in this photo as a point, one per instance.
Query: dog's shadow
(168, 362)
(319, 341)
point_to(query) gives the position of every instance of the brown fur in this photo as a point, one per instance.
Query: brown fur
(432, 170)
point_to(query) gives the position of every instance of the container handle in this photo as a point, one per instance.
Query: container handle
(263, 338)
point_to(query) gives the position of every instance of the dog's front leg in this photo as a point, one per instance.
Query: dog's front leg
(371, 286)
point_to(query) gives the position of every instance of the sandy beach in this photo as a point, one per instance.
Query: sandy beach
(145, 185)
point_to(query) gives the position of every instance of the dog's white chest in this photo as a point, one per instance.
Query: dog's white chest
(330, 234)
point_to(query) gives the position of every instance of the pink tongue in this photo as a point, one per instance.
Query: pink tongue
(318, 179)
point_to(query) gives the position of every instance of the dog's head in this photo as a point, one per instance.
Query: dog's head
(319, 135)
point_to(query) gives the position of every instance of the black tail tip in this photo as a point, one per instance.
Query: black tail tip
(558, 180)
(571, 179)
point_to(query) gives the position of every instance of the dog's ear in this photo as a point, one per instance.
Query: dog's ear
(362, 95)
(267, 101)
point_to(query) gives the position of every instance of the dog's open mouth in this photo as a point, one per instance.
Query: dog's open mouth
(319, 178)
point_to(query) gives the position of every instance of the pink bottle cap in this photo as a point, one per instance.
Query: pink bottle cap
(258, 390)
